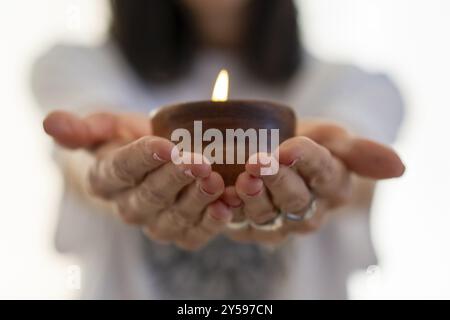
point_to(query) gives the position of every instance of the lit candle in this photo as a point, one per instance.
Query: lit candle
(225, 131)
(220, 91)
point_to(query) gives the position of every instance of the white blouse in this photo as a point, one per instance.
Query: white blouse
(114, 257)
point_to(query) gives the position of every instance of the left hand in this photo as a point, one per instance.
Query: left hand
(315, 166)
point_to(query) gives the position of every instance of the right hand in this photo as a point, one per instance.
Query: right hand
(173, 203)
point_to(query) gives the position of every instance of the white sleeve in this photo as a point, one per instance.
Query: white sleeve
(368, 104)
(85, 79)
(82, 80)
(371, 106)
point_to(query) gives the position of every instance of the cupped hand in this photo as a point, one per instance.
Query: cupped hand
(315, 169)
(133, 170)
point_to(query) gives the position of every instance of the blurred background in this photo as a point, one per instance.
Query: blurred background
(407, 39)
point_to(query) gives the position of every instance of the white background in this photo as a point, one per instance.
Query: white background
(409, 39)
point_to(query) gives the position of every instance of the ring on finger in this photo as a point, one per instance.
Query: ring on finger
(238, 225)
(306, 214)
(272, 225)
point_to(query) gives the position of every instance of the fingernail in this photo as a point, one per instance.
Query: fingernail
(254, 194)
(235, 206)
(189, 173)
(157, 157)
(205, 192)
(293, 162)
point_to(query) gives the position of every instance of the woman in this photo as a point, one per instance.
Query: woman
(180, 237)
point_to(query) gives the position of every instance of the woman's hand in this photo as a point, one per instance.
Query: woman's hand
(315, 170)
(173, 203)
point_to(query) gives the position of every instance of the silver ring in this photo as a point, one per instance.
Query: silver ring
(308, 214)
(238, 225)
(272, 225)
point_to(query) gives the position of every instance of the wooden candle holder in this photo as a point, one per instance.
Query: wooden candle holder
(223, 115)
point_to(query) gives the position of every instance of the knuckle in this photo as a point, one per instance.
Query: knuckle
(179, 177)
(324, 173)
(121, 169)
(295, 204)
(183, 216)
(148, 193)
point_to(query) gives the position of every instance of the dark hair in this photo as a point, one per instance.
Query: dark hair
(158, 40)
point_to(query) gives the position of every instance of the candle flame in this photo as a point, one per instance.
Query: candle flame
(220, 92)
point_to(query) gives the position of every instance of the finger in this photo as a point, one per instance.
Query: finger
(214, 221)
(238, 229)
(308, 225)
(74, 132)
(169, 182)
(216, 217)
(257, 204)
(132, 126)
(152, 200)
(373, 160)
(288, 190)
(67, 129)
(192, 202)
(232, 200)
(128, 165)
(322, 172)
(364, 157)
